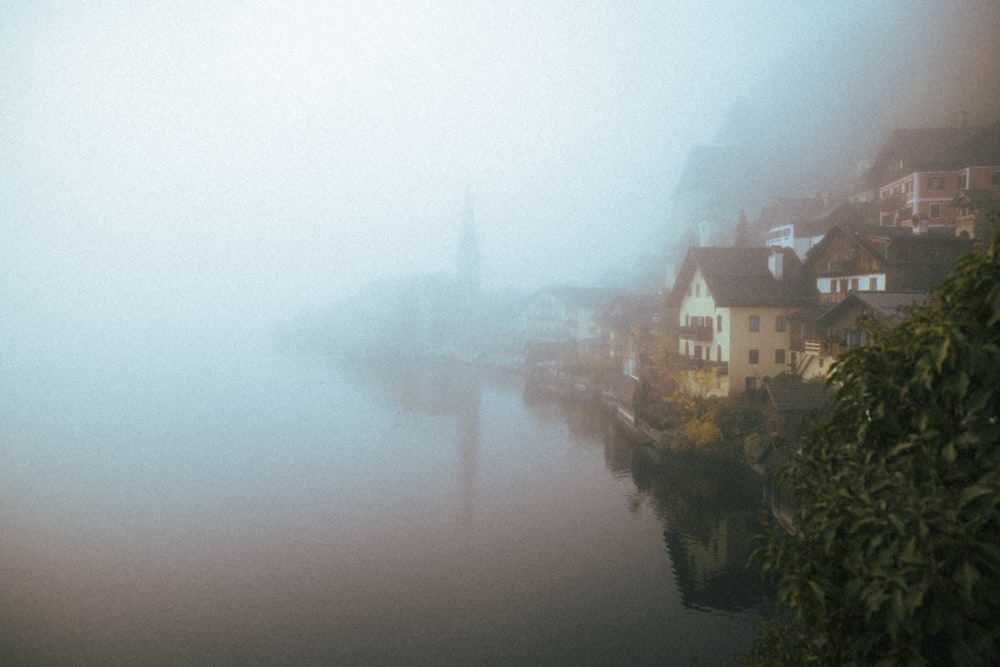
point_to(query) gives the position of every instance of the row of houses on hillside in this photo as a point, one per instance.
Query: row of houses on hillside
(790, 305)
(927, 196)
(751, 313)
(755, 313)
(932, 177)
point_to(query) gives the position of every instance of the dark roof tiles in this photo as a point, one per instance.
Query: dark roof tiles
(741, 277)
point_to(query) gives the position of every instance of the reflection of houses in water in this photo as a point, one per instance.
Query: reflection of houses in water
(711, 568)
(709, 512)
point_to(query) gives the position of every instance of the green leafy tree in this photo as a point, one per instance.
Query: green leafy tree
(896, 558)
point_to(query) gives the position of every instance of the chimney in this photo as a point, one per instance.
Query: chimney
(776, 263)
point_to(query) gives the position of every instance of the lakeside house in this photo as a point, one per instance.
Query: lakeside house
(879, 259)
(818, 335)
(733, 305)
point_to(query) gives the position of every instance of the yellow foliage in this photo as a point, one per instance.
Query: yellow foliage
(702, 432)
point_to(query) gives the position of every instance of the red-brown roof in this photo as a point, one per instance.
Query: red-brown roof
(740, 277)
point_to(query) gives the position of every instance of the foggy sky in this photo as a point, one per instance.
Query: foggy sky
(165, 165)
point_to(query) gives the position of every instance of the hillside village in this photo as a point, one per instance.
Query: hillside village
(789, 292)
(759, 322)
(748, 308)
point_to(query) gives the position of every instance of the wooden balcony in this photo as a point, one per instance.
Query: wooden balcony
(695, 333)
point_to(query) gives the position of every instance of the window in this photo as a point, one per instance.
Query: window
(697, 351)
(854, 284)
(754, 356)
(872, 284)
(779, 323)
(755, 323)
(909, 186)
(779, 356)
(935, 210)
(718, 323)
(963, 180)
(843, 285)
(935, 183)
(853, 338)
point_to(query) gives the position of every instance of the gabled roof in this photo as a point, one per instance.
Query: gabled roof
(740, 277)
(888, 305)
(894, 245)
(977, 198)
(810, 314)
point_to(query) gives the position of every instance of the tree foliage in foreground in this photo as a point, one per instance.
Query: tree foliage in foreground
(896, 558)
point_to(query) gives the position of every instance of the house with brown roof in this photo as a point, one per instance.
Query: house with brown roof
(919, 172)
(879, 259)
(817, 336)
(733, 305)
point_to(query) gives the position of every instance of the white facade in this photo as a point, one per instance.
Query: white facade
(751, 341)
(784, 236)
(868, 282)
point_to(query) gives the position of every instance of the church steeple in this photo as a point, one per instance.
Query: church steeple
(468, 249)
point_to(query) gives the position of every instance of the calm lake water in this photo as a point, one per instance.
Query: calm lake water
(278, 509)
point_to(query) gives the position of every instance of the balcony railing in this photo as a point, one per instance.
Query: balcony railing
(695, 333)
(813, 346)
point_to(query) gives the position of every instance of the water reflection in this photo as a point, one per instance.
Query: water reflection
(709, 509)
(468, 449)
(290, 512)
(441, 390)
